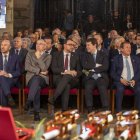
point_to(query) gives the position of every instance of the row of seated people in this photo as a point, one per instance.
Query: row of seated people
(67, 70)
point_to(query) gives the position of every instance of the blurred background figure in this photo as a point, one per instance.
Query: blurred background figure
(68, 22)
(128, 23)
(26, 42)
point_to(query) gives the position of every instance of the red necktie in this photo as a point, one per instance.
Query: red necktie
(17, 51)
(66, 62)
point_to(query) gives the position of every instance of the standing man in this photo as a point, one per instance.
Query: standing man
(125, 71)
(66, 71)
(36, 65)
(9, 73)
(95, 66)
(68, 22)
(91, 25)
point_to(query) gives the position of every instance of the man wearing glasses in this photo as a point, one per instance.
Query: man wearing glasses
(66, 72)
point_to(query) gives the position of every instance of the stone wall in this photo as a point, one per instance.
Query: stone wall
(23, 14)
(9, 19)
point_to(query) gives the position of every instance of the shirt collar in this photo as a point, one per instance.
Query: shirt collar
(95, 52)
(3, 54)
(66, 53)
(126, 56)
(18, 50)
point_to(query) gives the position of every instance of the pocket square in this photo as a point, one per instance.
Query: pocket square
(95, 76)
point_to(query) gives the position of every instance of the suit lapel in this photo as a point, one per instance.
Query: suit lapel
(133, 63)
(121, 62)
(71, 60)
(1, 62)
(9, 59)
(97, 57)
(62, 59)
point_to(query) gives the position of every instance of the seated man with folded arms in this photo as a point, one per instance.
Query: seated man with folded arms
(36, 65)
(9, 73)
(95, 66)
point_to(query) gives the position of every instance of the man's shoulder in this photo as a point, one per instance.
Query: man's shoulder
(57, 53)
(117, 58)
(23, 50)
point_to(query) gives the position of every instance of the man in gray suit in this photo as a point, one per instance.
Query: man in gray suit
(36, 65)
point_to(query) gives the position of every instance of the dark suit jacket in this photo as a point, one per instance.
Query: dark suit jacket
(54, 49)
(21, 57)
(134, 49)
(33, 46)
(117, 68)
(58, 64)
(105, 51)
(88, 63)
(113, 53)
(12, 65)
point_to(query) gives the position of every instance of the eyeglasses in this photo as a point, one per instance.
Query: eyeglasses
(72, 45)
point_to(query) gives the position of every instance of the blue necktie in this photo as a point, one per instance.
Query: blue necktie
(94, 57)
(5, 62)
(128, 70)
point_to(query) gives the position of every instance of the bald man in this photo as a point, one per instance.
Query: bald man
(9, 73)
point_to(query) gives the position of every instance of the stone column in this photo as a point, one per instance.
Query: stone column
(24, 14)
(67, 4)
(116, 5)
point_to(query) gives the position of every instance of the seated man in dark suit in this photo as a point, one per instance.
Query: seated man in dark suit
(50, 49)
(20, 52)
(125, 71)
(100, 47)
(9, 73)
(66, 71)
(36, 65)
(95, 66)
(33, 41)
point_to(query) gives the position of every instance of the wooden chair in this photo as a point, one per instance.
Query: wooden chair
(45, 91)
(74, 92)
(17, 91)
(95, 93)
(127, 92)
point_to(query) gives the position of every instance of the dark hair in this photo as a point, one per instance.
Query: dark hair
(47, 37)
(122, 44)
(66, 40)
(92, 40)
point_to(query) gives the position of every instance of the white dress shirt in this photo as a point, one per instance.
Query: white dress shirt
(124, 72)
(18, 51)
